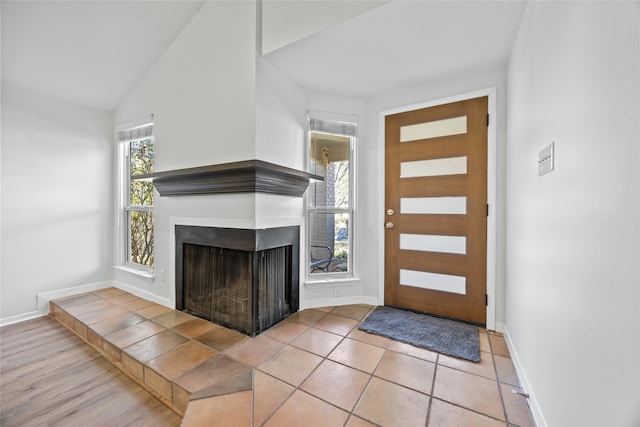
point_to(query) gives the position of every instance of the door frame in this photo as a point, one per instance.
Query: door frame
(492, 187)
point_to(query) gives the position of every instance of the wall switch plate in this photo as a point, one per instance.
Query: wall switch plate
(545, 159)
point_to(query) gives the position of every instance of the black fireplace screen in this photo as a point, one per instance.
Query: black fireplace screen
(249, 285)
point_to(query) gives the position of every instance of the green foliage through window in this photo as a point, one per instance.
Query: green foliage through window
(140, 203)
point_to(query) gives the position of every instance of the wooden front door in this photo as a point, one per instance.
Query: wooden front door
(436, 210)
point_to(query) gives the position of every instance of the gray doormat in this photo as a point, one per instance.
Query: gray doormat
(442, 335)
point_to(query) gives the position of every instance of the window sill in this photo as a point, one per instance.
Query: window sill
(330, 281)
(143, 274)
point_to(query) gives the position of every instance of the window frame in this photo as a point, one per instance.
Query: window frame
(125, 207)
(350, 210)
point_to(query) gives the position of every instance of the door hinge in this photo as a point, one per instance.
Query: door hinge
(486, 300)
(487, 209)
(487, 119)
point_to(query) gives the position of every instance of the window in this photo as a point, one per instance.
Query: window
(330, 202)
(137, 213)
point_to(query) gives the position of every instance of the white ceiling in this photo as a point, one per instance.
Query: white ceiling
(93, 52)
(89, 53)
(401, 44)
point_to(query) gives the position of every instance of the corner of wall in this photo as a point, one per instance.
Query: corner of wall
(43, 299)
(144, 294)
(536, 411)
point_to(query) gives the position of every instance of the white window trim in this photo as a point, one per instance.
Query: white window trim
(122, 223)
(352, 274)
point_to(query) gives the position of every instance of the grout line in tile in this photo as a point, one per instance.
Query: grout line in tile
(314, 369)
(364, 390)
(462, 370)
(495, 369)
(281, 403)
(324, 358)
(474, 411)
(496, 380)
(373, 374)
(253, 395)
(433, 386)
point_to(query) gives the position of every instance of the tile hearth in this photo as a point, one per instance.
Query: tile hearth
(315, 368)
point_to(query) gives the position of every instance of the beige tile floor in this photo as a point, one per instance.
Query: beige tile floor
(314, 369)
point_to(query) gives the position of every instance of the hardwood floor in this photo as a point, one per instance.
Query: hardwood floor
(48, 376)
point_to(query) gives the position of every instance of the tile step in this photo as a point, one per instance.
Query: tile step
(128, 331)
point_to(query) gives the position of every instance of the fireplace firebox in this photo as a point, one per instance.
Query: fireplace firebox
(239, 278)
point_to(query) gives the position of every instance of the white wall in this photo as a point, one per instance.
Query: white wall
(202, 95)
(215, 101)
(371, 161)
(202, 90)
(281, 127)
(57, 198)
(281, 121)
(573, 236)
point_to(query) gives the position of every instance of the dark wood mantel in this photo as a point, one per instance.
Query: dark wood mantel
(249, 176)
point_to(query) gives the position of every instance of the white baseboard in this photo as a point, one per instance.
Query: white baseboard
(43, 299)
(330, 302)
(524, 381)
(21, 318)
(143, 294)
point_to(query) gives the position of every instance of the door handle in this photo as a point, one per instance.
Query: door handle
(389, 225)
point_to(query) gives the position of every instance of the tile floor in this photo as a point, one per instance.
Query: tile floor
(314, 369)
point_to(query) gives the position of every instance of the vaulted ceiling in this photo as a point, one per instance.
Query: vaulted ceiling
(87, 52)
(93, 52)
(403, 43)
